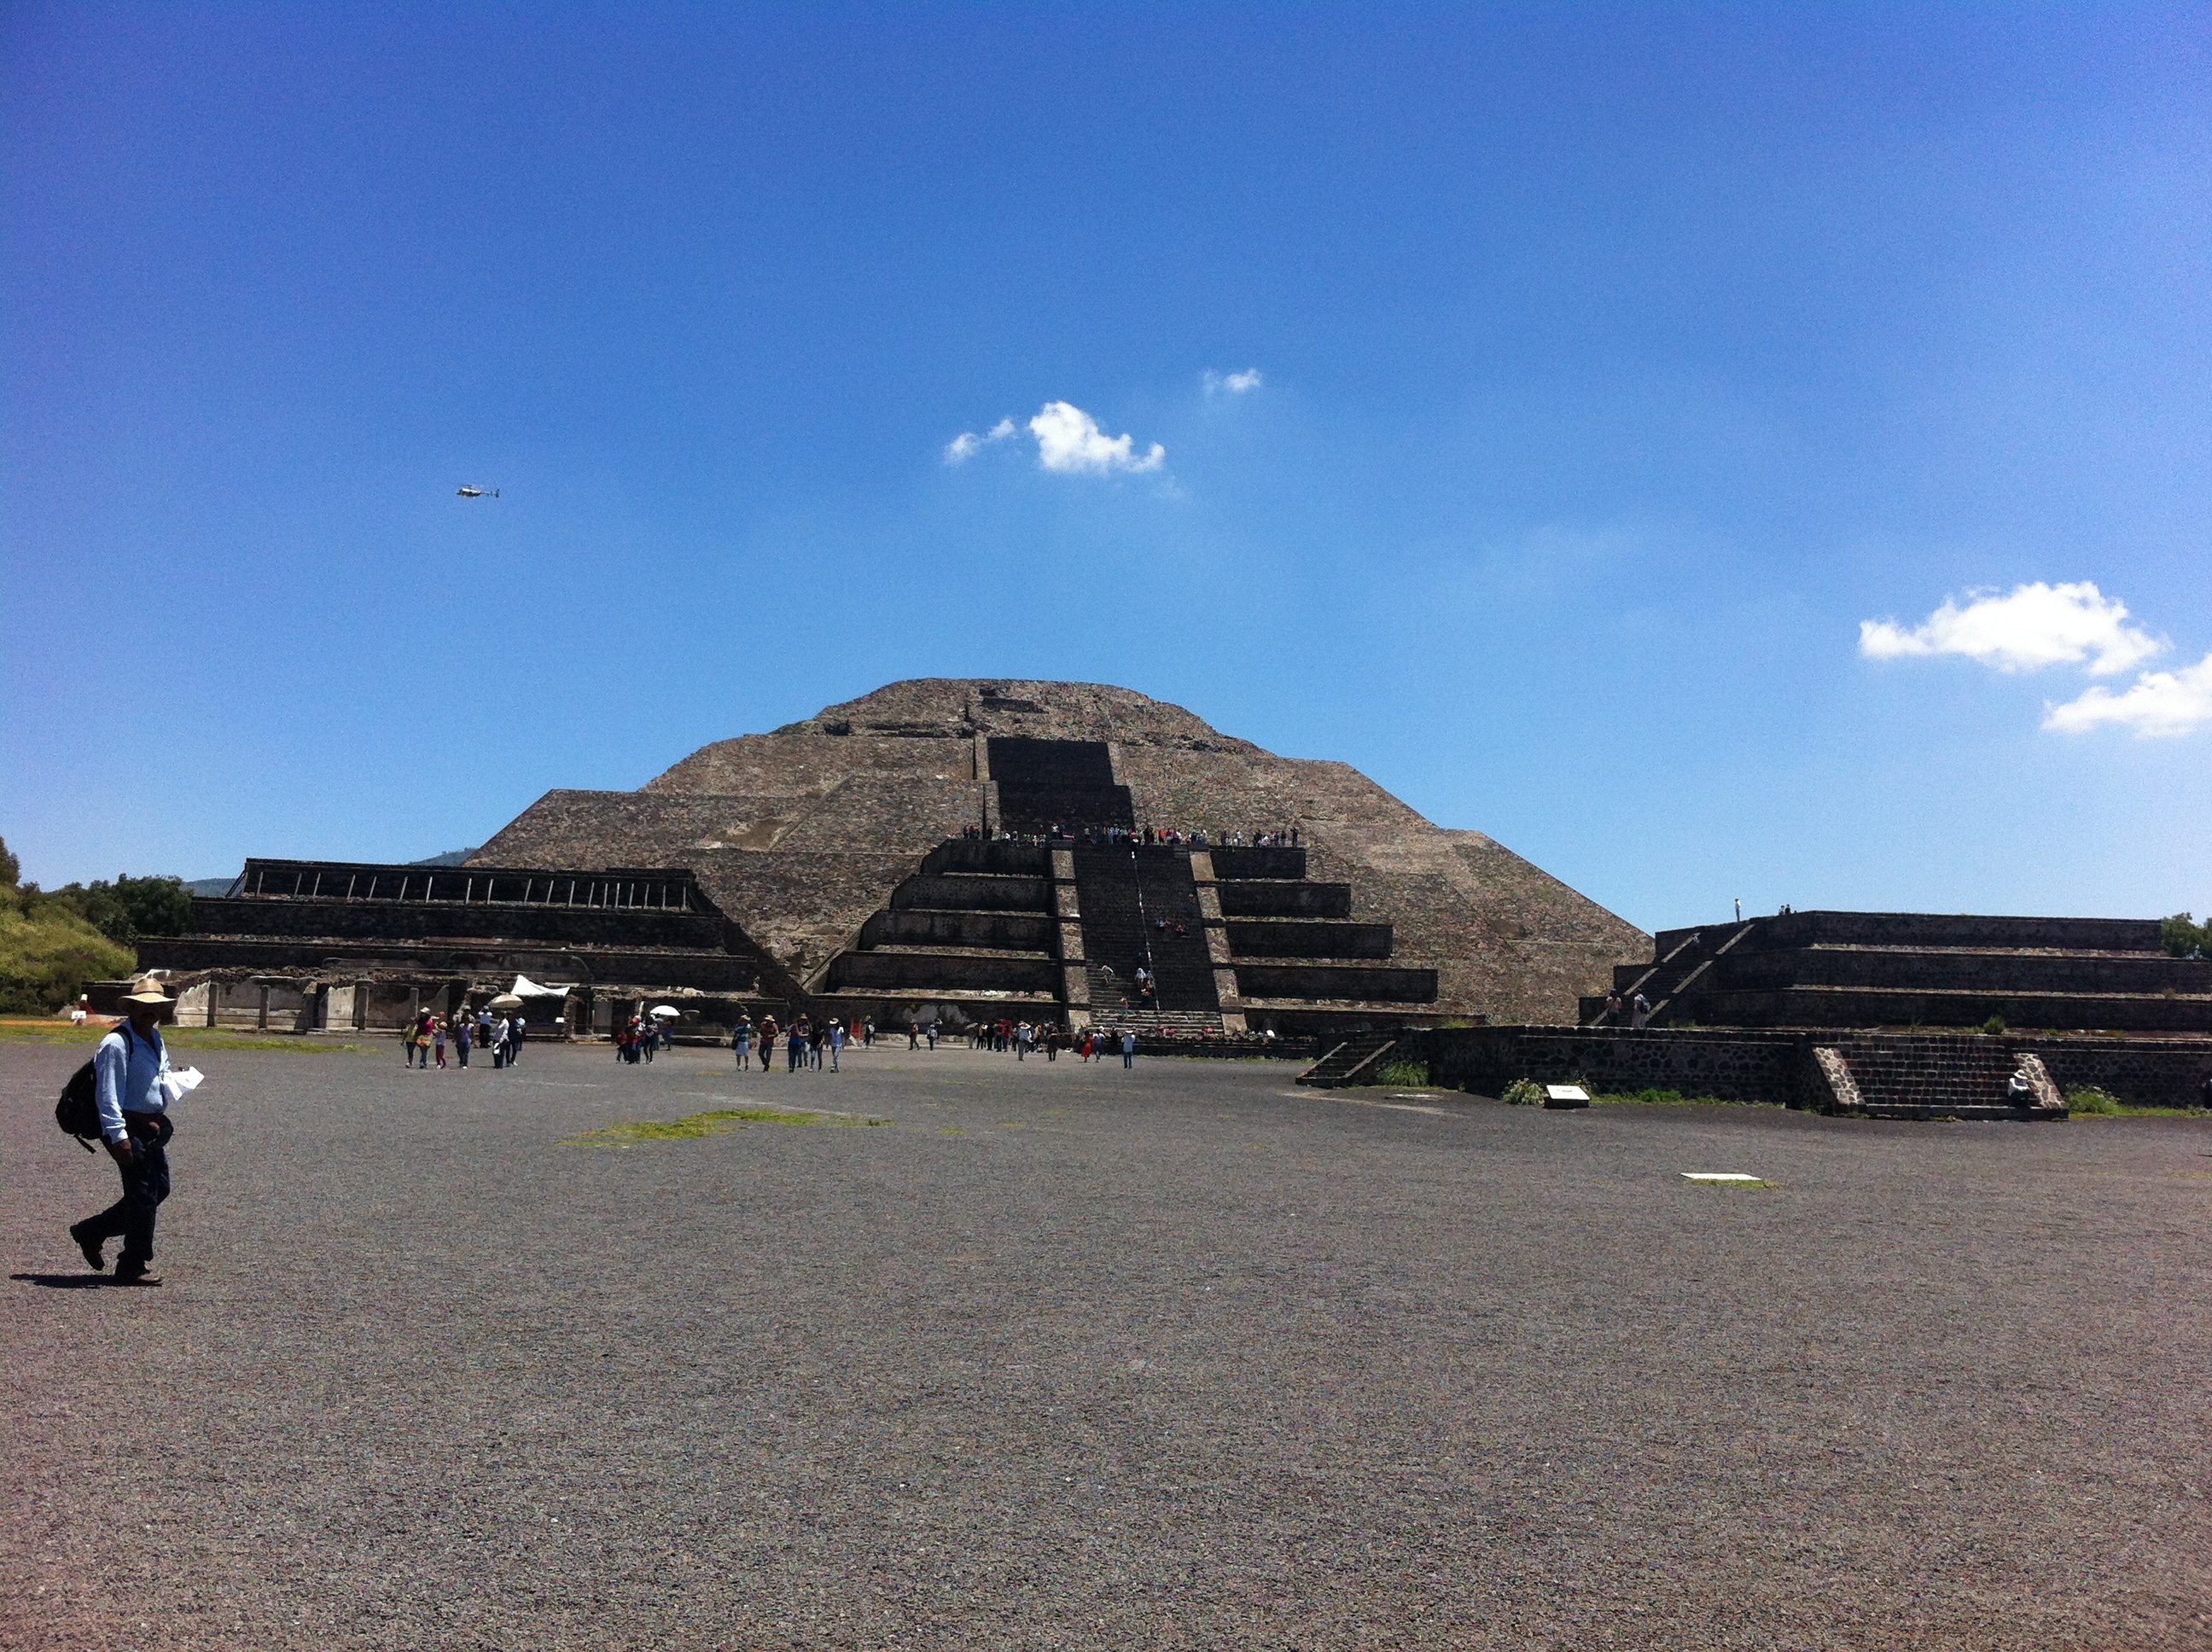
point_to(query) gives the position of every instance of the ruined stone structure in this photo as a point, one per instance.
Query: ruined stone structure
(300, 945)
(1913, 968)
(937, 845)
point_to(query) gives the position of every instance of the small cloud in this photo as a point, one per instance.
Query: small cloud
(2159, 704)
(1232, 384)
(968, 444)
(2037, 625)
(1069, 440)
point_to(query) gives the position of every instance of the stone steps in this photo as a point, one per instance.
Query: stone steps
(1345, 1063)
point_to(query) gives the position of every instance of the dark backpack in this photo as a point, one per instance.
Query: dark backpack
(78, 1110)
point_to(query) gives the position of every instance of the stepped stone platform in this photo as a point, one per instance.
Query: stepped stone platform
(303, 945)
(945, 842)
(1908, 970)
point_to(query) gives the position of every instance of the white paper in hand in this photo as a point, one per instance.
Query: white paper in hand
(178, 1083)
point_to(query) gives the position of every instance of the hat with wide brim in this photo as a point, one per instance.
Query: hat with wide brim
(148, 993)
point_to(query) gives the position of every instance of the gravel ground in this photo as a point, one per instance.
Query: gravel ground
(1072, 1357)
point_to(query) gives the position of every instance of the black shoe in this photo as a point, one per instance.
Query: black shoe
(140, 1277)
(91, 1248)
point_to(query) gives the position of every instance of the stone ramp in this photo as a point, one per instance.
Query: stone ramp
(1351, 1061)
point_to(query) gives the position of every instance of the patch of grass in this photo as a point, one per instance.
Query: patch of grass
(1523, 1092)
(2092, 1102)
(1663, 1098)
(188, 1038)
(1995, 1027)
(1404, 1075)
(705, 1124)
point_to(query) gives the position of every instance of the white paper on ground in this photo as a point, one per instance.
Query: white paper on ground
(1717, 1176)
(181, 1082)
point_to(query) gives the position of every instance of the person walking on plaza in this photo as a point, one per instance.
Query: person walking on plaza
(464, 1033)
(794, 1046)
(437, 1038)
(837, 1042)
(410, 1038)
(816, 1036)
(768, 1032)
(128, 1069)
(499, 1042)
(1128, 1048)
(741, 1041)
(514, 1031)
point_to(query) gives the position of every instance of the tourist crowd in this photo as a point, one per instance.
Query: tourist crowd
(423, 1041)
(1108, 836)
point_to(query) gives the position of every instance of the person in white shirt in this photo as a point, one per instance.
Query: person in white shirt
(129, 1067)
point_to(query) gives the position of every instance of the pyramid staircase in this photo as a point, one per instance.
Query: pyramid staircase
(1133, 897)
(1683, 961)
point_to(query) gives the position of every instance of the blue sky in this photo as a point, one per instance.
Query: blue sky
(1614, 367)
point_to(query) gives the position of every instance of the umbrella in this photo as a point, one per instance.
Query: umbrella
(665, 1012)
(504, 1001)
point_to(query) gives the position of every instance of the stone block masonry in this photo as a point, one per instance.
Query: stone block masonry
(803, 835)
(1788, 1068)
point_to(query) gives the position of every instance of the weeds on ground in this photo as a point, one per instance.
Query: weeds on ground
(1523, 1092)
(705, 1124)
(1404, 1075)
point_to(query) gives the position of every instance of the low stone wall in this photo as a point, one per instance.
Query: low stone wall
(1754, 1064)
(1735, 1066)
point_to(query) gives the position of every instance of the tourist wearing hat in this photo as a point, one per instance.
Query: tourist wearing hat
(129, 1065)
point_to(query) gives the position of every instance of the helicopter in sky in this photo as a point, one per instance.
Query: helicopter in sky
(473, 492)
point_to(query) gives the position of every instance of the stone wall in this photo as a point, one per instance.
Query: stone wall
(1778, 1066)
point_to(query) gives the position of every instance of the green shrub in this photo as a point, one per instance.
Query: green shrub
(1404, 1075)
(2092, 1099)
(1523, 1092)
(1995, 1026)
(46, 956)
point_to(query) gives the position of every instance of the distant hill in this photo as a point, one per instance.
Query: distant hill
(221, 885)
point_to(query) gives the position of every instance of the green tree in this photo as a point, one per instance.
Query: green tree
(2184, 937)
(123, 910)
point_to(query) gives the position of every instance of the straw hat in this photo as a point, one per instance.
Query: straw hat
(148, 992)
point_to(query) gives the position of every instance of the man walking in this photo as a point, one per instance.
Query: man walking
(837, 1042)
(1128, 1048)
(129, 1067)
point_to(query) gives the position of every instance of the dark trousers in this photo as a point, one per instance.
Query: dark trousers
(145, 1185)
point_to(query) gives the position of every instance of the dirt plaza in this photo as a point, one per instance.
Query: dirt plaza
(948, 1349)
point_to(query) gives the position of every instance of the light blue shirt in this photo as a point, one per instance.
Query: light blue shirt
(129, 1071)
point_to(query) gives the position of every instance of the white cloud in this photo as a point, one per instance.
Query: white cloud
(1232, 384)
(2037, 625)
(2161, 703)
(1069, 440)
(968, 444)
